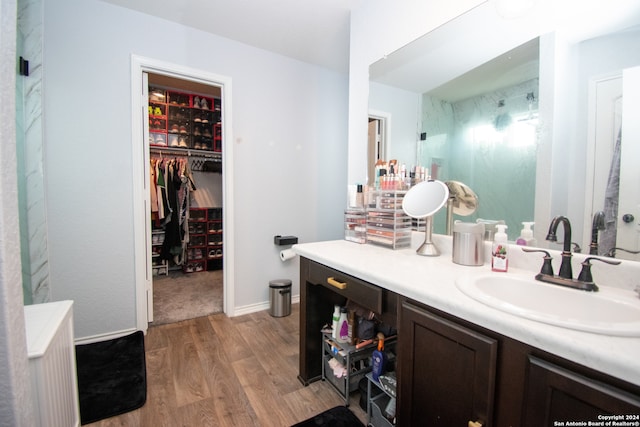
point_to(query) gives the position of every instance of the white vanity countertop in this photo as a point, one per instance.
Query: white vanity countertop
(431, 280)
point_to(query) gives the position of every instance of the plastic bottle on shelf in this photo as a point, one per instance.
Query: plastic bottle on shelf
(336, 319)
(351, 319)
(526, 235)
(343, 326)
(378, 359)
(500, 250)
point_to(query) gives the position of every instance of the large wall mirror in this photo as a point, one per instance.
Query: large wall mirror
(529, 120)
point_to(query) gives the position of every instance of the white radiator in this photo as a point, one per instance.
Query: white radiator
(52, 364)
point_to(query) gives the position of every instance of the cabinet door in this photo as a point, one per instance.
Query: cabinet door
(447, 371)
(557, 395)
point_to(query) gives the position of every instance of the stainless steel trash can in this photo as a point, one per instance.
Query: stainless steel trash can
(280, 297)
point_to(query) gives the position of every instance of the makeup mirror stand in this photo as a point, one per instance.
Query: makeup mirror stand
(449, 228)
(428, 248)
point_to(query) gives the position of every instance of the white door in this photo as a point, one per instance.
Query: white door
(628, 236)
(146, 195)
(608, 119)
(612, 113)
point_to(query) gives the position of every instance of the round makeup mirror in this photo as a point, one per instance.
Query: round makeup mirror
(462, 201)
(423, 201)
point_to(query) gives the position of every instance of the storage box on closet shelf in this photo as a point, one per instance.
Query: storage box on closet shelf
(387, 224)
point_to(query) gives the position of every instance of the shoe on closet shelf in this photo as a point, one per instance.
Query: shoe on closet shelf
(197, 118)
(182, 143)
(157, 111)
(174, 141)
(198, 146)
(160, 140)
(196, 102)
(203, 104)
(174, 128)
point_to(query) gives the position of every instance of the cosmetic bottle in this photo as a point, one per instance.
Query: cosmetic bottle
(500, 250)
(351, 318)
(359, 197)
(343, 326)
(526, 235)
(336, 319)
(378, 359)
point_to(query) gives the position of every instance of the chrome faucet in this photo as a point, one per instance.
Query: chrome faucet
(565, 266)
(598, 224)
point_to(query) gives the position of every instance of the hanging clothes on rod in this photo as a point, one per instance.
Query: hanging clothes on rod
(173, 181)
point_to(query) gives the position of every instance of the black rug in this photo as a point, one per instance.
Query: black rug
(112, 377)
(340, 416)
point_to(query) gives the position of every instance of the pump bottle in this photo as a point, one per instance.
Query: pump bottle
(526, 235)
(500, 250)
(335, 332)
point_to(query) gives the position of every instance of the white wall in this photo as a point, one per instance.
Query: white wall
(289, 127)
(404, 110)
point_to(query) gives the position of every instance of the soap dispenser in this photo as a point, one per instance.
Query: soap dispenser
(500, 250)
(526, 235)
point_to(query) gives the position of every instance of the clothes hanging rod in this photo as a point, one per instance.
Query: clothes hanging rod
(186, 152)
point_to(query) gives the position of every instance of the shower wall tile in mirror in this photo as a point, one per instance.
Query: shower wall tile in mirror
(489, 143)
(30, 151)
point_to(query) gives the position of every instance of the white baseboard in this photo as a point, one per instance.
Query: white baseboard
(253, 308)
(104, 337)
(239, 311)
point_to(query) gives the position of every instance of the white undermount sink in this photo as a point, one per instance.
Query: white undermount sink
(608, 312)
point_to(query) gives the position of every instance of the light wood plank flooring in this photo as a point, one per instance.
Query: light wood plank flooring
(221, 371)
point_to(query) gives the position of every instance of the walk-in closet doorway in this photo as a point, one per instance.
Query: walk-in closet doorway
(182, 121)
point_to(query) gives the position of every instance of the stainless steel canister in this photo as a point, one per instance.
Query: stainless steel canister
(468, 243)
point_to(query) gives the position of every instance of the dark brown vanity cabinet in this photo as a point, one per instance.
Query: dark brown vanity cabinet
(556, 394)
(447, 372)
(321, 288)
(451, 372)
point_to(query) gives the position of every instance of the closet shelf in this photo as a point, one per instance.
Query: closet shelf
(215, 156)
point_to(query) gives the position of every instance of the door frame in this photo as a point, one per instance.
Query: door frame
(383, 120)
(140, 156)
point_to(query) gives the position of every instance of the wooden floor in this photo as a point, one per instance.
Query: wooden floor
(220, 371)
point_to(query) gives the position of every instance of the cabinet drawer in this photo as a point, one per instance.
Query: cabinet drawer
(363, 293)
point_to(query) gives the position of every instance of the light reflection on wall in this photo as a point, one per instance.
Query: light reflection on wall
(488, 145)
(520, 133)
